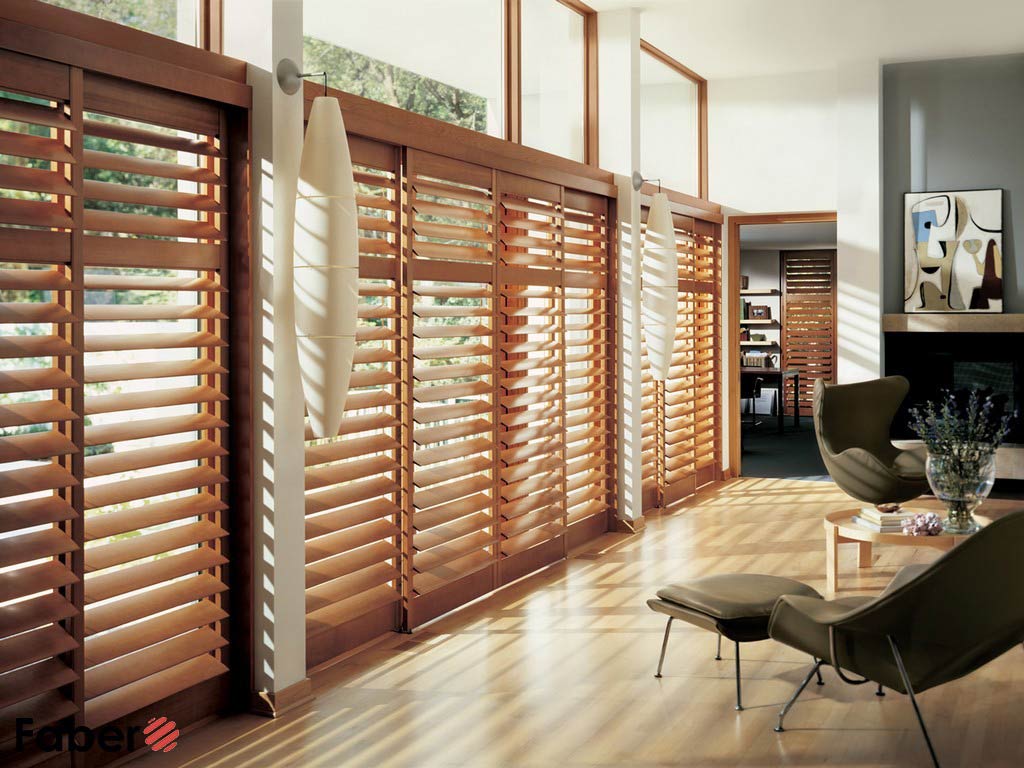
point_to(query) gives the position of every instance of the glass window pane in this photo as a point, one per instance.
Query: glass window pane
(668, 125)
(175, 19)
(440, 58)
(553, 78)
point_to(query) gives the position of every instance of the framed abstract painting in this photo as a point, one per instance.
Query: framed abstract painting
(954, 251)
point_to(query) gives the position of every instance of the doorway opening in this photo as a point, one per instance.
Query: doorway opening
(783, 339)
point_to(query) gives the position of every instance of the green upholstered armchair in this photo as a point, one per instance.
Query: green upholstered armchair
(851, 422)
(932, 624)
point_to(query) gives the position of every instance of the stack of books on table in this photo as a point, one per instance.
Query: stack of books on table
(882, 522)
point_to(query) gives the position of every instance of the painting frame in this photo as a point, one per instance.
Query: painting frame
(953, 251)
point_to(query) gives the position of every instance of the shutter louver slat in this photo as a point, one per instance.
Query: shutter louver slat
(133, 696)
(100, 649)
(33, 680)
(34, 646)
(31, 579)
(141, 664)
(105, 586)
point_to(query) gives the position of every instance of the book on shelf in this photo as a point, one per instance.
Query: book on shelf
(896, 527)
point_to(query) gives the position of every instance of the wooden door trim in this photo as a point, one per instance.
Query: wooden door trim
(732, 335)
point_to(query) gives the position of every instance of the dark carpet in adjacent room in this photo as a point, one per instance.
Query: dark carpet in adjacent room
(793, 454)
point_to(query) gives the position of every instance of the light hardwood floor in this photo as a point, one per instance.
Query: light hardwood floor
(557, 670)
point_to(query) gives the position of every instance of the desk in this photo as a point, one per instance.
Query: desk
(777, 377)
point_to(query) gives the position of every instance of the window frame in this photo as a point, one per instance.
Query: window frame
(702, 110)
(513, 21)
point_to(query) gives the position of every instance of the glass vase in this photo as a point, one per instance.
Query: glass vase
(961, 481)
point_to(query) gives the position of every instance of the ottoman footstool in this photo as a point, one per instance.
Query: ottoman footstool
(736, 606)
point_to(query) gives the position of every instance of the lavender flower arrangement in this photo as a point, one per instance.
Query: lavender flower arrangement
(923, 524)
(962, 432)
(962, 423)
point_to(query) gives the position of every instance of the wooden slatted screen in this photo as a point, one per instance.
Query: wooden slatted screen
(353, 584)
(113, 221)
(808, 321)
(681, 427)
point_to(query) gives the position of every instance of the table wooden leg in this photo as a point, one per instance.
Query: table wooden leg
(863, 554)
(831, 559)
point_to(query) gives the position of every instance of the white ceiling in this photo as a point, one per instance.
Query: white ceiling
(787, 237)
(746, 38)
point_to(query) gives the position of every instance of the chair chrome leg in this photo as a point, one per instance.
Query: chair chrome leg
(739, 693)
(664, 647)
(817, 670)
(718, 653)
(913, 699)
(796, 695)
(880, 691)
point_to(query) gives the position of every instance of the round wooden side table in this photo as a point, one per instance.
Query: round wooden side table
(840, 529)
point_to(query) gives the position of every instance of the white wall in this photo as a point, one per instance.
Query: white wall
(859, 226)
(262, 32)
(772, 142)
(811, 142)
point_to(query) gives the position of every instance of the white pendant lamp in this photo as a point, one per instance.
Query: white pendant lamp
(326, 267)
(660, 286)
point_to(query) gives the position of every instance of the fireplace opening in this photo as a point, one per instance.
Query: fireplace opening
(933, 362)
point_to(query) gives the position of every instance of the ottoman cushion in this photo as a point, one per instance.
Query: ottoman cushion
(738, 605)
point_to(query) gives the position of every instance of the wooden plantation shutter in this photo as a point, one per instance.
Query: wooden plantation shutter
(808, 321)
(155, 281)
(679, 408)
(532, 399)
(113, 222)
(681, 426)
(450, 244)
(352, 480)
(40, 415)
(706, 296)
(589, 338)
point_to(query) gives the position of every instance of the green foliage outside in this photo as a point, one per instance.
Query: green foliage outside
(375, 79)
(157, 16)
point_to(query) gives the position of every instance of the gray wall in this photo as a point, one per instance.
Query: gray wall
(951, 125)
